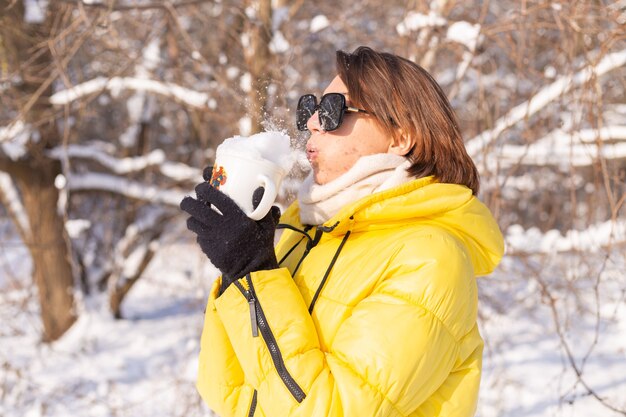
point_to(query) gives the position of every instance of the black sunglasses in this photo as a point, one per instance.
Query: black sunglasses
(331, 109)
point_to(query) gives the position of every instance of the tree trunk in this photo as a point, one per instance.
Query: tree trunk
(258, 59)
(48, 245)
(34, 172)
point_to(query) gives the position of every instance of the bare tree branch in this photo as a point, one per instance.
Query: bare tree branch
(147, 6)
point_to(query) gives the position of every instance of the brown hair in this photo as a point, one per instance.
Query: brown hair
(407, 101)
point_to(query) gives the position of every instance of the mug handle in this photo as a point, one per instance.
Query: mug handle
(269, 195)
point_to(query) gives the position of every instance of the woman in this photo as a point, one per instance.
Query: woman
(367, 306)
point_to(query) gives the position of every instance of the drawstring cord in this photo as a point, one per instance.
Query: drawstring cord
(295, 229)
(311, 243)
(290, 250)
(330, 267)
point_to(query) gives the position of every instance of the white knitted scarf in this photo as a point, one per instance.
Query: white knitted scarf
(370, 174)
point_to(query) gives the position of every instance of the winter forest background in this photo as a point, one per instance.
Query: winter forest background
(109, 110)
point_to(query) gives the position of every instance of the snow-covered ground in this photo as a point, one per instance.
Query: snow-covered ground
(526, 369)
(145, 364)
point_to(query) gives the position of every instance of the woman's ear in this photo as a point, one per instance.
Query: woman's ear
(401, 144)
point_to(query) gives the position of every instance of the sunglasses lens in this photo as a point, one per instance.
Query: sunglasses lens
(306, 108)
(331, 111)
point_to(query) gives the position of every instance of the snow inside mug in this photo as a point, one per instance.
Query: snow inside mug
(239, 175)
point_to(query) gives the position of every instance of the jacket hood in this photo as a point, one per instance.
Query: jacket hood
(424, 200)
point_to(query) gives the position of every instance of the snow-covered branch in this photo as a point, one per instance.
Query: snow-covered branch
(461, 32)
(545, 96)
(12, 203)
(414, 21)
(564, 149)
(132, 255)
(118, 166)
(143, 223)
(592, 239)
(174, 170)
(13, 139)
(117, 84)
(11, 131)
(127, 250)
(125, 187)
(180, 172)
(466, 34)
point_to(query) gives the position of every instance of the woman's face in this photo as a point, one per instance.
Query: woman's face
(333, 153)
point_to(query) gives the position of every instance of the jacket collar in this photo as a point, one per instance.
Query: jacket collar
(449, 206)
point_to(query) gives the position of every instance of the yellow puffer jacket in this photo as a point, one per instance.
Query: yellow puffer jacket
(371, 314)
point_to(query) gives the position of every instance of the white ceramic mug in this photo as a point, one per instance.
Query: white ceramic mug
(238, 176)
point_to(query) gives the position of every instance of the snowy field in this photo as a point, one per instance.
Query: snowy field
(145, 364)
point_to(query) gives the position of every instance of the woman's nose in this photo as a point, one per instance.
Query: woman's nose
(313, 124)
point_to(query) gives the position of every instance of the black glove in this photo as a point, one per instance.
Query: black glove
(234, 243)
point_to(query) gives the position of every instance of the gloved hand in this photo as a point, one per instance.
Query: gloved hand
(234, 243)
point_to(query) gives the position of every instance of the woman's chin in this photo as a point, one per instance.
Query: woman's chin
(319, 179)
(317, 175)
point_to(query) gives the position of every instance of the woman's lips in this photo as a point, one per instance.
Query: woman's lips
(311, 155)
